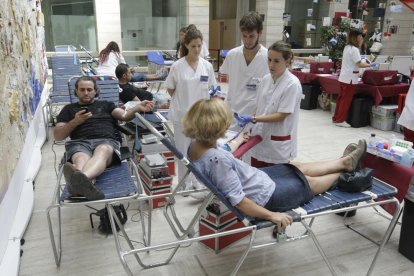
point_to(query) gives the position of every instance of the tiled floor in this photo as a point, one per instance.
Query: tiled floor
(87, 252)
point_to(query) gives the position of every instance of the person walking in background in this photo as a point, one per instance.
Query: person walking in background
(277, 116)
(189, 80)
(245, 66)
(111, 56)
(348, 78)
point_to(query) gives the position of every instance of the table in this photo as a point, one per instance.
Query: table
(306, 78)
(392, 173)
(330, 85)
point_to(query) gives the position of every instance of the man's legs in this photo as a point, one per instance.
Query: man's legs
(95, 165)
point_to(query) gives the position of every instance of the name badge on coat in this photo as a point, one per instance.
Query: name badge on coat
(203, 78)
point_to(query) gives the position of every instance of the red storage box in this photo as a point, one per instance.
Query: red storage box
(158, 202)
(154, 183)
(214, 223)
(381, 77)
(223, 78)
(401, 102)
(325, 67)
(167, 154)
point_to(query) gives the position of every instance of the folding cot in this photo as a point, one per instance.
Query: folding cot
(118, 183)
(157, 64)
(334, 201)
(63, 68)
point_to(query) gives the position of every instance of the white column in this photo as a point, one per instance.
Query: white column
(108, 22)
(273, 24)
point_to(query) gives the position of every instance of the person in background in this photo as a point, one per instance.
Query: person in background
(245, 66)
(189, 80)
(111, 56)
(265, 193)
(130, 92)
(277, 115)
(90, 124)
(407, 116)
(348, 78)
(181, 35)
(204, 49)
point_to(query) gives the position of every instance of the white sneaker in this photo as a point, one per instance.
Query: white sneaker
(343, 124)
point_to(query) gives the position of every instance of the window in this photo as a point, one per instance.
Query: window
(70, 23)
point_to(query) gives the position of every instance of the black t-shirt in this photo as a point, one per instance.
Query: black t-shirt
(100, 126)
(129, 92)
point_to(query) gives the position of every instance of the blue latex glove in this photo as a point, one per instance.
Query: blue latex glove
(373, 65)
(243, 120)
(212, 91)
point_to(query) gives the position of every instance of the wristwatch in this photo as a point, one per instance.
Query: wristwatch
(254, 120)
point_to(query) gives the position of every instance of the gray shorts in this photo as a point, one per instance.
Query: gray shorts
(88, 146)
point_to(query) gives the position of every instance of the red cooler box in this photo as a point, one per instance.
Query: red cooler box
(169, 156)
(326, 67)
(217, 221)
(158, 202)
(381, 77)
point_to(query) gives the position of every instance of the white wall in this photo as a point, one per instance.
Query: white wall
(401, 42)
(108, 22)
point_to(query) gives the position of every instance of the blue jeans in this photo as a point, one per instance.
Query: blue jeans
(138, 77)
(292, 189)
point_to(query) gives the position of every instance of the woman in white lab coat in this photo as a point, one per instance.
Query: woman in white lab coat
(407, 115)
(188, 81)
(277, 114)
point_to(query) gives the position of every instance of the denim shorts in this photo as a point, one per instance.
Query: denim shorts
(292, 189)
(88, 146)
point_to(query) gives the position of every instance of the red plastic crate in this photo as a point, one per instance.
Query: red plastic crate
(158, 202)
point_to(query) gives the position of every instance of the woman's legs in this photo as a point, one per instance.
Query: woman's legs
(320, 184)
(343, 102)
(323, 168)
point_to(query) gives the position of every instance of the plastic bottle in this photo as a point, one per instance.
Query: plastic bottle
(392, 140)
(372, 141)
(407, 158)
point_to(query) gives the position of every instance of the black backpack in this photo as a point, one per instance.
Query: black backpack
(104, 223)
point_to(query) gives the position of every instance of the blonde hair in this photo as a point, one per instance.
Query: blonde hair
(207, 120)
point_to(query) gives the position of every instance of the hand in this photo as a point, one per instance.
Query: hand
(373, 65)
(243, 120)
(282, 220)
(82, 115)
(145, 106)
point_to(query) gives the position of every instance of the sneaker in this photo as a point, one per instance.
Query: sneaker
(81, 185)
(343, 124)
(161, 74)
(68, 170)
(350, 148)
(358, 154)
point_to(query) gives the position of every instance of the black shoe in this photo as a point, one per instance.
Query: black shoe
(81, 185)
(68, 171)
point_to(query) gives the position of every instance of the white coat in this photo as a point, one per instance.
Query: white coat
(244, 79)
(279, 144)
(407, 115)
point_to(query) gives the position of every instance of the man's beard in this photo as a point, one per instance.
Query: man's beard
(254, 46)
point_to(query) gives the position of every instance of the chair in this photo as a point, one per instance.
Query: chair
(334, 201)
(118, 183)
(108, 88)
(156, 64)
(64, 66)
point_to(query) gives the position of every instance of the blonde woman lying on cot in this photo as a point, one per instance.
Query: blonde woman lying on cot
(264, 193)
